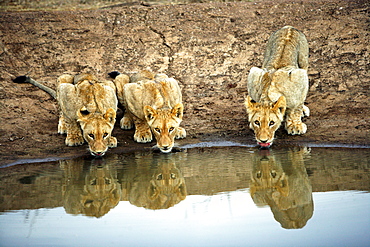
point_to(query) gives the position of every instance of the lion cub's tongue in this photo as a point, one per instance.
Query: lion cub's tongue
(265, 145)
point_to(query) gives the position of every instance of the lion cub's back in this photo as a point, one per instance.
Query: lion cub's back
(96, 97)
(157, 93)
(287, 47)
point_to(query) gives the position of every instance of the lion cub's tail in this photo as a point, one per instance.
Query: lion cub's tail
(27, 79)
(139, 76)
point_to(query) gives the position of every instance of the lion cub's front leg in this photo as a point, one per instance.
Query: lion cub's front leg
(142, 131)
(293, 122)
(127, 121)
(72, 129)
(120, 81)
(62, 128)
(74, 133)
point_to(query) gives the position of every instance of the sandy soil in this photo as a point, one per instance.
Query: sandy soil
(208, 47)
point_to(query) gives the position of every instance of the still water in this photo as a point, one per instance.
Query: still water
(202, 196)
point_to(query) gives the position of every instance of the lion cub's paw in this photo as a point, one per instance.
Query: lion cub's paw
(181, 133)
(74, 140)
(296, 128)
(143, 136)
(126, 123)
(62, 128)
(112, 142)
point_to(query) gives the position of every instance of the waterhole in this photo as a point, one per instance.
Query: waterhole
(201, 196)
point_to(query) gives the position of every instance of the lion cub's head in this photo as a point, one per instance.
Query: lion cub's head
(97, 129)
(164, 124)
(167, 187)
(265, 119)
(267, 177)
(102, 191)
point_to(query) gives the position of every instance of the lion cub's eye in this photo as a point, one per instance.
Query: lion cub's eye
(159, 176)
(257, 123)
(171, 129)
(158, 130)
(173, 176)
(271, 123)
(91, 136)
(105, 135)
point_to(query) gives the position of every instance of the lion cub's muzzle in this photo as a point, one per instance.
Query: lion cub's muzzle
(165, 147)
(165, 142)
(264, 135)
(98, 149)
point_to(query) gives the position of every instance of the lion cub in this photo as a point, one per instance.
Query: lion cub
(279, 89)
(87, 110)
(153, 103)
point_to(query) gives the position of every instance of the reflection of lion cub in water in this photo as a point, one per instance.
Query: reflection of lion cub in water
(88, 110)
(90, 187)
(154, 104)
(280, 87)
(281, 181)
(161, 188)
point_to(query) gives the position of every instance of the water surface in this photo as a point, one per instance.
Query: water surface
(204, 196)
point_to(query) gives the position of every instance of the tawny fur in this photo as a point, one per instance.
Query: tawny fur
(87, 110)
(161, 189)
(281, 181)
(153, 103)
(91, 192)
(279, 89)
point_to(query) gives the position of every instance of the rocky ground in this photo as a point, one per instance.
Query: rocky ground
(208, 47)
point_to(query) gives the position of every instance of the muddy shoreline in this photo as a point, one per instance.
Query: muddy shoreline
(209, 48)
(194, 145)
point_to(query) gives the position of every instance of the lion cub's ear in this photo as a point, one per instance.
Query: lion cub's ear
(178, 110)
(82, 115)
(280, 105)
(250, 104)
(110, 115)
(83, 112)
(150, 113)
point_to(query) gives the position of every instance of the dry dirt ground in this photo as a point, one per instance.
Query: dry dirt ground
(208, 47)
